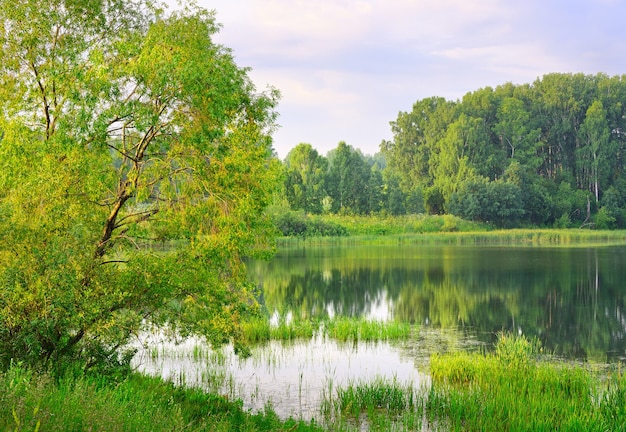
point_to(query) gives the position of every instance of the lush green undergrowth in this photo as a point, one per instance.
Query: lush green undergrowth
(299, 225)
(37, 402)
(408, 224)
(342, 329)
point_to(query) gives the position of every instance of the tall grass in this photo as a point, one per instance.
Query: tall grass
(382, 404)
(511, 389)
(36, 402)
(514, 237)
(346, 329)
(342, 329)
(514, 388)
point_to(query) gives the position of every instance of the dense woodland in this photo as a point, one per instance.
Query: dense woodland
(550, 153)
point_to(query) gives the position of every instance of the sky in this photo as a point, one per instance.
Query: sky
(346, 68)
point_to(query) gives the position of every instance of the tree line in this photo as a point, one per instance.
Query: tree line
(548, 153)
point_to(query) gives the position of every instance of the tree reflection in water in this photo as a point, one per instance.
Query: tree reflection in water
(571, 298)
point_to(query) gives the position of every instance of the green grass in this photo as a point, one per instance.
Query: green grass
(448, 229)
(511, 389)
(260, 330)
(514, 237)
(382, 404)
(342, 329)
(346, 329)
(36, 402)
(514, 388)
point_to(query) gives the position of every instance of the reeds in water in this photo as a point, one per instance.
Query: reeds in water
(342, 329)
(513, 389)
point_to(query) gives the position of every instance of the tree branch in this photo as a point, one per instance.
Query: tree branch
(44, 98)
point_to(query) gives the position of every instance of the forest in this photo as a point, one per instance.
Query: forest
(545, 154)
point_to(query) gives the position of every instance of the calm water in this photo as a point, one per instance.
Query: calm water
(573, 299)
(459, 297)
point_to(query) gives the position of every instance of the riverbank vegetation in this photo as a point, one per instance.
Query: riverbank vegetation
(342, 329)
(515, 386)
(428, 229)
(136, 403)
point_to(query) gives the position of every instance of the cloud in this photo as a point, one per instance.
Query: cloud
(347, 67)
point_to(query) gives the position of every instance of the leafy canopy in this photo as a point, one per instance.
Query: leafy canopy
(135, 165)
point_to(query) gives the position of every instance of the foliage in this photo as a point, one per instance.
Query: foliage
(497, 202)
(305, 182)
(563, 130)
(297, 224)
(541, 154)
(124, 130)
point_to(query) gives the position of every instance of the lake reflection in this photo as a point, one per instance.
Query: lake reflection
(571, 298)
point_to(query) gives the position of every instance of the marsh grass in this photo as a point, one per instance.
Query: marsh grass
(381, 394)
(381, 404)
(512, 237)
(261, 330)
(513, 389)
(345, 329)
(37, 402)
(342, 329)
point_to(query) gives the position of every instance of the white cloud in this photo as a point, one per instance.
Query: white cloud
(346, 67)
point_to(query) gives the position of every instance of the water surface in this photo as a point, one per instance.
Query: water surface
(572, 298)
(457, 297)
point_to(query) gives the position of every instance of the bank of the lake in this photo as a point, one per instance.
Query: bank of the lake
(32, 401)
(516, 387)
(513, 237)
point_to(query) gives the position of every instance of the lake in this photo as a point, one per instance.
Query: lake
(458, 298)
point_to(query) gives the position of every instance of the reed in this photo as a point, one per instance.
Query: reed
(37, 402)
(346, 329)
(342, 329)
(380, 394)
(513, 389)
(260, 330)
(513, 237)
(382, 404)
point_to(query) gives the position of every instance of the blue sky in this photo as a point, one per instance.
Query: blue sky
(346, 68)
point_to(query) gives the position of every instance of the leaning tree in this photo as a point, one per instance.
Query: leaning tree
(135, 164)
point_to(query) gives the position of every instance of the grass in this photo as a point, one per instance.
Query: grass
(261, 330)
(447, 229)
(346, 329)
(378, 405)
(37, 402)
(444, 229)
(380, 395)
(513, 237)
(515, 387)
(511, 389)
(342, 329)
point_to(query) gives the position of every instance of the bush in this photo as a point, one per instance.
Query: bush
(297, 224)
(291, 224)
